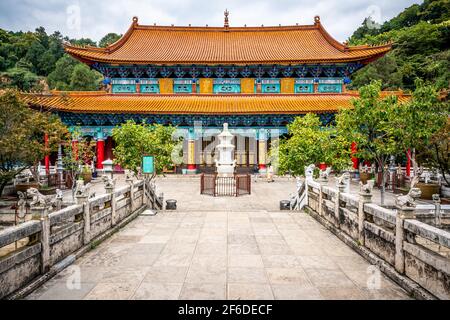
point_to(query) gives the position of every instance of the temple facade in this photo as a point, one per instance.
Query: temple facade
(256, 79)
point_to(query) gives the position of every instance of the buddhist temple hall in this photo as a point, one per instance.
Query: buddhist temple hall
(256, 79)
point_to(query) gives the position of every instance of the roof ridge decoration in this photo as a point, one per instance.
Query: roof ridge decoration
(226, 23)
(151, 44)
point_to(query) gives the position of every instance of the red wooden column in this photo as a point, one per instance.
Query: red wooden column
(47, 157)
(75, 148)
(262, 151)
(191, 165)
(408, 163)
(100, 150)
(354, 159)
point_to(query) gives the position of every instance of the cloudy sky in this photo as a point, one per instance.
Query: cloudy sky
(94, 19)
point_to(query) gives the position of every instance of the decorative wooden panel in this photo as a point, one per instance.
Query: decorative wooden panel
(247, 85)
(287, 85)
(166, 85)
(206, 86)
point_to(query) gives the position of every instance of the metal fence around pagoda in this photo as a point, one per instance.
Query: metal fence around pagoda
(235, 186)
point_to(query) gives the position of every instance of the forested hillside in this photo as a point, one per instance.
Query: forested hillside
(30, 60)
(421, 47)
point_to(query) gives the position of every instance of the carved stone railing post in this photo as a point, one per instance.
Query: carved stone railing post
(130, 182)
(363, 199)
(320, 208)
(41, 213)
(337, 204)
(84, 200)
(403, 213)
(110, 190)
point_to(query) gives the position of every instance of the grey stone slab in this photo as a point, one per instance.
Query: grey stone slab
(173, 260)
(343, 294)
(246, 275)
(112, 291)
(209, 261)
(123, 274)
(249, 291)
(288, 276)
(158, 291)
(245, 261)
(280, 261)
(210, 274)
(60, 291)
(329, 278)
(166, 275)
(243, 249)
(317, 262)
(203, 291)
(296, 292)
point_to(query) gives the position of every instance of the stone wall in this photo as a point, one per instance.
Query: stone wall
(52, 237)
(416, 250)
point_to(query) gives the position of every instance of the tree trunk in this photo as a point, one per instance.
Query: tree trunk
(383, 187)
(414, 162)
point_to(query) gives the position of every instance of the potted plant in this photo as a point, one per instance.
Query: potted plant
(25, 181)
(427, 187)
(46, 190)
(86, 174)
(364, 174)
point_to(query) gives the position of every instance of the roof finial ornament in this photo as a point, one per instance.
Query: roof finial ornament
(135, 20)
(226, 23)
(317, 19)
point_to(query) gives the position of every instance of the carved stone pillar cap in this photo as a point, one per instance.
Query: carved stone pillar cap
(405, 212)
(81, 198)
(109, 189)
(365, 195)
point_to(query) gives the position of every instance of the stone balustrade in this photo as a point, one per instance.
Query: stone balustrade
(402, 241)
(43, 243)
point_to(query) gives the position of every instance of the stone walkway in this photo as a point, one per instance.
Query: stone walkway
(221, 255)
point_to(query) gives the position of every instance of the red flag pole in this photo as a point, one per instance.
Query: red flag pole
(47, 157)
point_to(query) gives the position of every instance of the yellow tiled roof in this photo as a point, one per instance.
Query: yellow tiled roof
(100, 102)
(227, 45)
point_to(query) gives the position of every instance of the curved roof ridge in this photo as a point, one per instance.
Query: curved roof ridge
(143, 44)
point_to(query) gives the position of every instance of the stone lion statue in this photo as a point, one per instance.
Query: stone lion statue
(409, 200)
(38, 199)
(109, 182)
(130, 175)
(324, 174)
(82, 190)
(343, 179)
(309, 171)
(366, 188)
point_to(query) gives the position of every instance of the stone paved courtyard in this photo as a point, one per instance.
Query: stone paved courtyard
(225, 248)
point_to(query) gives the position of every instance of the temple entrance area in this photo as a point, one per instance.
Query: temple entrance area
(186, 190)
(251, 148)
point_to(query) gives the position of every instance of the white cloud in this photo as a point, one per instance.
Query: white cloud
(100, 17)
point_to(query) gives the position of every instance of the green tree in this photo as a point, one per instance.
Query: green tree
(60, 78)
(368, 124)
(83, 42)
(110, 38)
(311, 143)
(416, 123)
(77, 156)
(134, 140)
(437, 153)
(22, 133)
(21, 79)
(83, 79)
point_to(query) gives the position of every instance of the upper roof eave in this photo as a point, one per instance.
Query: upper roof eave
(346, 54)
